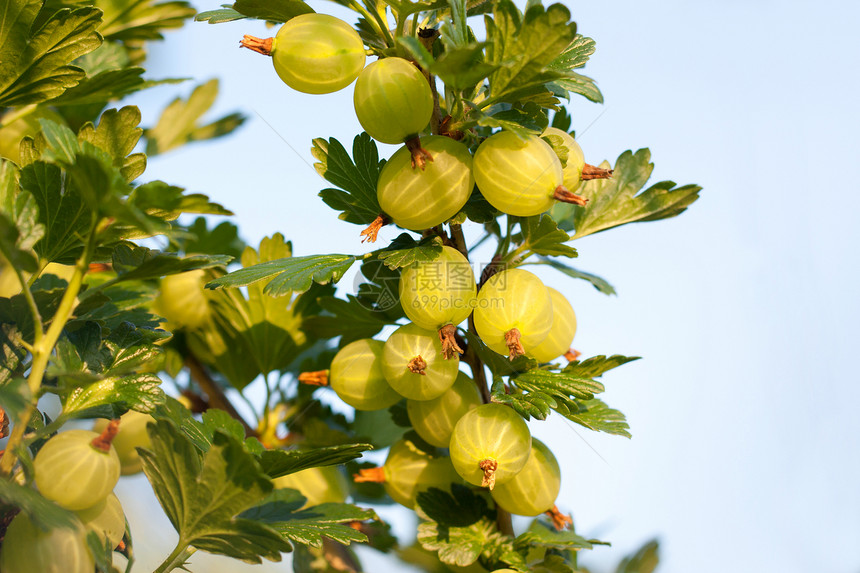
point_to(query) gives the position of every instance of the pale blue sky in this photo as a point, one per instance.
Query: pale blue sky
(745, 453)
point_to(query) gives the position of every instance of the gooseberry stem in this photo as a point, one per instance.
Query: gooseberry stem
(259, 45)
(216, 396)
(177, 557)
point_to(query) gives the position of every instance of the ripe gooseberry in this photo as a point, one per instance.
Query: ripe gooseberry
(106, 519)
(27, 548)
(434, 420)
(324, 484)
(514, 312)
(78, 468)
(392, 100)
(317, 53)
(535, 489)
(413, 363)
(438, 292)
(490, 445)
(357, 377)
(408, 471)
(181, 299)
(419, 199)
(561, 334)
(517, 176)
(575, 158)
(132, 434)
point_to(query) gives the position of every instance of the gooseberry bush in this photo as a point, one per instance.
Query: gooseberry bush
(128, 333)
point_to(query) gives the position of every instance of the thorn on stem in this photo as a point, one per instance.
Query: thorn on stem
(562, 194)
(259, 45)
(317, 378)
(590, 172)
(419, 155)
(514, 343)
(372, 230)
(449, 341)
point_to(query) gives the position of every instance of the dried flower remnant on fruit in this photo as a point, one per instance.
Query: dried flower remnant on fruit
(417, 365)
(103, 441)
(4, 423)
(372, 230)
(514, 344)
(370, 475)
(572, 355)
(420, 156)
(259, 45)
(447, 335)
(489, 468)
(316, 378)
(559, 520)
(562, 194)
(590, 172)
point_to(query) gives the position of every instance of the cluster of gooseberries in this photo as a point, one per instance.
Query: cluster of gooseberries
(423, 185)
(96, 458)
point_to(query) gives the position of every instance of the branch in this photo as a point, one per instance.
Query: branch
(217, 398)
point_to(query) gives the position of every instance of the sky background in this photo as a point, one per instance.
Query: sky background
(743, 411)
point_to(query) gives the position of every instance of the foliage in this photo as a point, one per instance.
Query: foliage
(84, 313)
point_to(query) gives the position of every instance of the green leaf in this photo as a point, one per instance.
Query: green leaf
(62, 212)
(272, 10)
(579, 84)
(620, 199)
(460, 508)
(575, 55)
(223, 239)
(518, 121)
(597, 365)
(289, 275)
(596, 415)
(405, 251)
(130, 20)
(11, 355)
(352, 319)
(167, 202)
(37, 62)
(117, 134)
(542, 534)
(524, 46)
(541, 235)
(499, 365)
(460, 546)
(277, 463)
(309, 526)
(645, 560)
(179, 122)
(356, 181)
(597, 282)
(109, 85)
(141, 392)
(42, 512)
(203, 495)
(564, 384)
(20, 230)
(224, 14)
(132, 262)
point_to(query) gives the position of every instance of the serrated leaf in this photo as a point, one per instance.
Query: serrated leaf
(524, 45)
(596, 415)
(351, 319)
(277, 463)
(597, 282)
(179, 122)
(37, 62)
(167, 202)
(459, 508)
(405, 251)
(517, 121)
(575, 55)
(564, 384)
(223, 239)
(499, 365)
(645, 560)
(141, 392)
(109, 85)
(117, 134)
(44, 513)
(224, 14)
(204, 495)
(131, 20)
(355, 177)
(620, 200)
(132, 262)
(19, 232)
(579, 84)
(542, 534)
(541, 235)
(288, 275)
(461, 546)
(272, 10)
(281, 511)
(597, 365)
